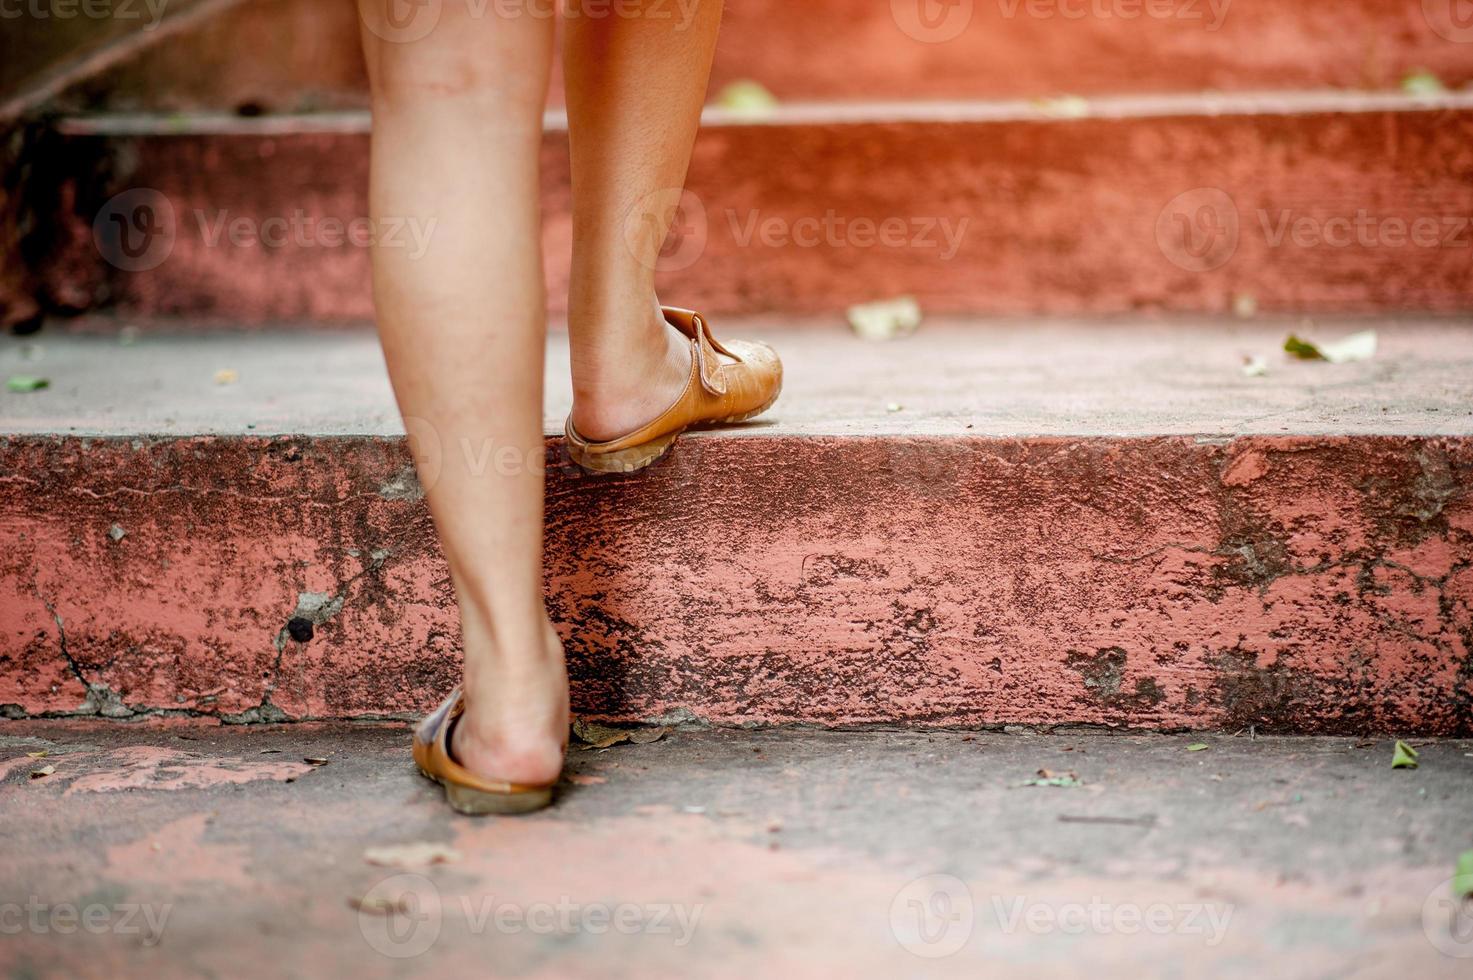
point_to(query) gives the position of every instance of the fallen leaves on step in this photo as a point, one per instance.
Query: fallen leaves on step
(596, 736)
(1463, 878)
(22, 383)
(380, 905)
(747, 98)
(578, 779)
(885, 319)
(644, 736)
(1403, 756)
(36, 755)
(1254, 367)
(419, 854)
(1198, 747)
(1063, 107)
(1422, 82)
(43, 772)
(1357, 347)
(1047, 777)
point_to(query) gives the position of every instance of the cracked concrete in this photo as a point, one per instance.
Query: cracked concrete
(807, 853)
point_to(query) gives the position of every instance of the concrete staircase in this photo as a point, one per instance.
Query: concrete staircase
(1083, 513)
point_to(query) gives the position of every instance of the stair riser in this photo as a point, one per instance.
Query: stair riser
(1359, 212)
(1304, 584)
(873, 49)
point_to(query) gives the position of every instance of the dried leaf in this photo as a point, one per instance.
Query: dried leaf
(22, 383)
(644, 736)
(416, 855)
(1356, 347)
(379, 905)
(597, 736)
(1463, 879)
(1422, 82)
(885, 319)
(1063, 107)
(43, 772)
(36, 755)
(1403, 756)
(1047, 777)
(747, 98)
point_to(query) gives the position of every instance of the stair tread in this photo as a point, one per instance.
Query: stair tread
(955, 377)
(938, 111)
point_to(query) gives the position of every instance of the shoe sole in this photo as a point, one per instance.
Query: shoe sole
(646, 453)
(477, 803)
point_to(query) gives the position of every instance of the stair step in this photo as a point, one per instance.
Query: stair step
(295, 55)
(1303, 203)
(1029, 523)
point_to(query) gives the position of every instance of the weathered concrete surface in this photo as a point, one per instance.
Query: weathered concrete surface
(841, 571)
(1293, 204)
(773, 853)
(295, 55)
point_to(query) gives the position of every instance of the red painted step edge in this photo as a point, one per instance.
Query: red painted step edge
(868, 49)
(1312, 211)
(1300, 584)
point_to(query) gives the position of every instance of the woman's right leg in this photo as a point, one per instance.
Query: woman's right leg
(457, 126)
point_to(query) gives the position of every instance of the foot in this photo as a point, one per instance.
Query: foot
(617, 392)
(515, 726)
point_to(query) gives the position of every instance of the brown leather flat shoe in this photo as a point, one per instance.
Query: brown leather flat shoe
(464, 790)
(729, 382)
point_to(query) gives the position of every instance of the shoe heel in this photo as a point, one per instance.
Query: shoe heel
(623, 460)
(476, 803)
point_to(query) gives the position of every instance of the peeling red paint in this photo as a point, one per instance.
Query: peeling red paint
(915, 580)
(1045, 215)
(150, 768)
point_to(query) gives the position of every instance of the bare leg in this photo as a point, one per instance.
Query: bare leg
(457, 122)
(635, 84)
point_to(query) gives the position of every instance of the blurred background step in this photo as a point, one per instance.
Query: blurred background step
(1288, 203)
(986, 523)
(303, 55)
